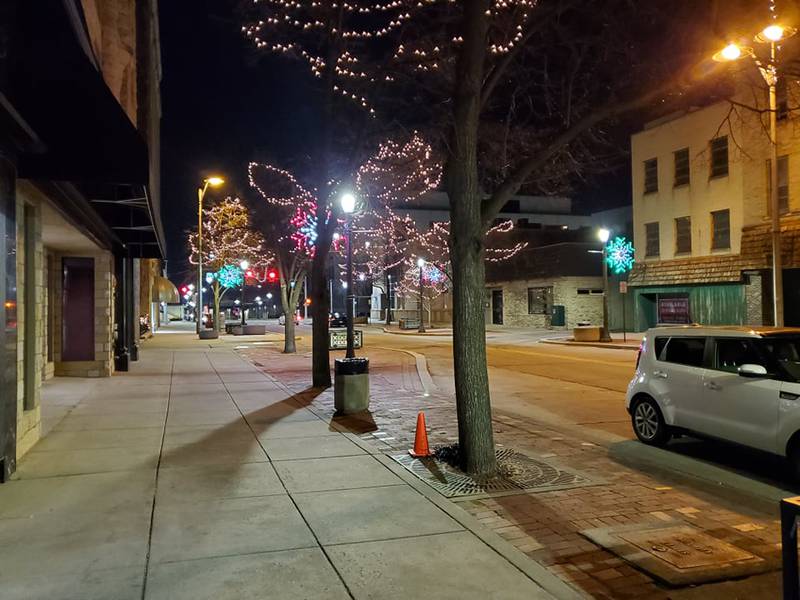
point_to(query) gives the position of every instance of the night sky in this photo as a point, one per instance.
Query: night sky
(224, 105)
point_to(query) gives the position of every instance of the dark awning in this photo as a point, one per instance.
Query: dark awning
(61, 94)
(88, 154)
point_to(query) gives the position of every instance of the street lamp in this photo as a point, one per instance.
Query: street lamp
(348, 202)
(771, 35)
(201, 192)
(389, 300)
(603, 234)
(244, 266)
(421, 265)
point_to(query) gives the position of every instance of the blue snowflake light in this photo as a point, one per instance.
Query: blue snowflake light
(230, 276)
(619, 255)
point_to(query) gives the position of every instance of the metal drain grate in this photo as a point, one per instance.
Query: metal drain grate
(519, 473)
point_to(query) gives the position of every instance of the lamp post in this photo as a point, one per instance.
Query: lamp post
(389, 300)
(348, 202)
(201, 192)
(603, 235)
(771, 36)
(269, 297)
(244, 265)
(421, 265)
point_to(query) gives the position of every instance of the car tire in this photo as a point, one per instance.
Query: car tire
(648, 423)
(793, 458)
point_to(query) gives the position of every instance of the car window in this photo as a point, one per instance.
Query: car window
(785, 351)
(659, 345)
(685, 351)
(732, 353)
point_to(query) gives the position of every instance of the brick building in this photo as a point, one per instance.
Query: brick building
(702, 213)
(79, 196)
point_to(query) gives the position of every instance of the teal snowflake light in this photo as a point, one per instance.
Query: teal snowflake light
(619, 255)
(230, 276)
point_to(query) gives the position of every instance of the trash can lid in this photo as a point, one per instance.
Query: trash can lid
(351, 366)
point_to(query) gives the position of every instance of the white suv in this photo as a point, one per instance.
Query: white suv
(739, 384)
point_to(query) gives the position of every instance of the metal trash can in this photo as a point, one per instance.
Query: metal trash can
(351, 385)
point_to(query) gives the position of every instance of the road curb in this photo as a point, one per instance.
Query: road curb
(414, 332)
(422, 369)
(606, 345)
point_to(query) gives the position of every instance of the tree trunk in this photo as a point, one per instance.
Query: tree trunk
(289, 345)
(220, 326)
(475, 435)
(320, 308)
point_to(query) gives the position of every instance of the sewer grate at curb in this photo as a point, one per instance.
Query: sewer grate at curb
(521, 474)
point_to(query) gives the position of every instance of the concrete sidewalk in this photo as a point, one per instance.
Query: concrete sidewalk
(195, 476)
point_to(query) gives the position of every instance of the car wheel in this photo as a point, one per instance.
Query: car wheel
(793, 457)
(648, 423)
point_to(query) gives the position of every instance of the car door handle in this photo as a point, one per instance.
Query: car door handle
(712, 386)
(789, 396)
(660, 374)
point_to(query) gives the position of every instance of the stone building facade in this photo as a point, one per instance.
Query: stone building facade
(79, 202)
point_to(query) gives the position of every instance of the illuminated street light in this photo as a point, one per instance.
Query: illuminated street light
(421, 265)
(603, 234)
(213, 181)
(348, 203)
(770, 35)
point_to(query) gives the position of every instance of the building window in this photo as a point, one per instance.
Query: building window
(783, 185)
(652, 242)
(682, 167)
(782, 97)
(651, 176)
(719, 156)
(683, 235)
(540, 300)
(721, 229)
(590, 291)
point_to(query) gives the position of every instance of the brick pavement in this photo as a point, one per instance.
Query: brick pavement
(545, 525)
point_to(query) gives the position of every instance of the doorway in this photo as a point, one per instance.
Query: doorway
(77, 311)
(497, 307)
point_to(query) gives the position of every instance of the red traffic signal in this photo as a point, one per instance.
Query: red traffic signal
(272, 275)
(184, 289)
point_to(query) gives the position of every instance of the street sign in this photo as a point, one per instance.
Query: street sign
(337, 339)
(623, 287)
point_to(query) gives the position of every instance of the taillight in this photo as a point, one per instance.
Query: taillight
(639, 354)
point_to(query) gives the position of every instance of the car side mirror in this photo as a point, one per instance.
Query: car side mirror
(748, 370)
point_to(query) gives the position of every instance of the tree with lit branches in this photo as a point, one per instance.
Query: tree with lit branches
(287, 220)
(228, 238)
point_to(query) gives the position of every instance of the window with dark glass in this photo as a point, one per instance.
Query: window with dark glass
(685, 351)
(730, 354)
(683, 235)
(652, 241)
(719, 156)
(783, 184)
(782, 98)
(539, 300)
(651, 175)
(720, 229)
(682, 167)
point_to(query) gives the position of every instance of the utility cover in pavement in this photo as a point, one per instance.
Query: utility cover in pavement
(519, 473)
(680, 554)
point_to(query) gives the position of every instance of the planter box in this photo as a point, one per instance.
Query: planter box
(249, 330)
(208, 334)
(586, 334)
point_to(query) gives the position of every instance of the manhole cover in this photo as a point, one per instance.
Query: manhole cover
(519, 473)
(685, 547)
(680, 554)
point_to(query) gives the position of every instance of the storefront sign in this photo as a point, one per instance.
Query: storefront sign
(673, 311)
(623, 287)
(337, 339)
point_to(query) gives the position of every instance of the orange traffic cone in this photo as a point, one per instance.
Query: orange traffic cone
(421, 449)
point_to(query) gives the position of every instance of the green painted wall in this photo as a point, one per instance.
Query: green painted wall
(721, 304)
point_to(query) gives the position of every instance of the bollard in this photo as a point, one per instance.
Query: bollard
(790, 510)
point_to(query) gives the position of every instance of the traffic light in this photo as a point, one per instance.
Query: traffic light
(272, 275)
(184, 289)
(308, 301)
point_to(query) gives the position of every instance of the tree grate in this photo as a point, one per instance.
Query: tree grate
(517, 473)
